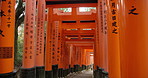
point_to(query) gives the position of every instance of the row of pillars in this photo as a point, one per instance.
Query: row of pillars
(58, 59)
(121, 42)
(121, 39)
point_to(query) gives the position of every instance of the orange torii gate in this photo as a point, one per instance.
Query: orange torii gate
(78, 61)
(73, 61)
(63, 33)
(116, 53)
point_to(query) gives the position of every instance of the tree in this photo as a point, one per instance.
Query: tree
(19, 19)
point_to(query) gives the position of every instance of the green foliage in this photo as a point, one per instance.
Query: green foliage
(66, 9)
(19, 19)
(86, 9)
(20, 45)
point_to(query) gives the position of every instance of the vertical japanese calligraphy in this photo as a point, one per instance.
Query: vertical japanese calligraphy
(6, 35)
(113, 5)
(48, 53)
(101, 15)
(0, 11)
(105, 39)
(29, 49)
(40, 33)
(59, 44)
(55, 41)
(113, 39)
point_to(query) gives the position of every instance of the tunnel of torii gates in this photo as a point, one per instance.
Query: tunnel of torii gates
(115, 34)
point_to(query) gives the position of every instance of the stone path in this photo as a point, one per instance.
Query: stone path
(83, 74)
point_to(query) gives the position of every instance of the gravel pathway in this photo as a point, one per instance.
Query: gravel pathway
(83, 74)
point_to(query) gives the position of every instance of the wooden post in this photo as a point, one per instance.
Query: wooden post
(40, 39)
(105, 38)
(7, 25)
(113, 39)
(48, 54)
(134, 39)
(28, 67)
(55, 30)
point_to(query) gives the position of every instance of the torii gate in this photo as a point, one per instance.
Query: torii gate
(127, 47)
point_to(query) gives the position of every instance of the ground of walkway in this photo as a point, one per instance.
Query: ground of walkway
(83, 74)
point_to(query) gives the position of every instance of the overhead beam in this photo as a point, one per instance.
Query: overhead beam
(70, 2)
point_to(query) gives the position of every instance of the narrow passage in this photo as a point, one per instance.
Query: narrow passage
(83, 74)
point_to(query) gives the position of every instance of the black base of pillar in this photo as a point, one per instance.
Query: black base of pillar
(100, 72)
(7, 75)
(68, 71)
(71, 70)
(48, 74)
(96, 74)
(64, 72)
(55, 71)
(40, 72)
(76, 67)
(60, 72)
(28, 73)
(80, 68)
(83, 67)
(105, 74)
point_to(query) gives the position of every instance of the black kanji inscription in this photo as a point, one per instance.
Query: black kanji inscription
(132, 11)
(1, 33)
(115, 31)
(2, 13)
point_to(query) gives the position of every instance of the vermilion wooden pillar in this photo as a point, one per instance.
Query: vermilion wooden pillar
(55, 29)
(70, 54)
(0, 11)
(81, 55)
(59, 44)
(97, 46)
(73, 58)
(40, 39)
(66, 57)
(134, 39)
(87, 58)
(100, 23)
(101, 40)
(91, 59)
(7, 25)
(84, 59)
(59, 50)
(28, 67)
(77, 59)
(113, 38)
(105, 39)
(48, 54)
